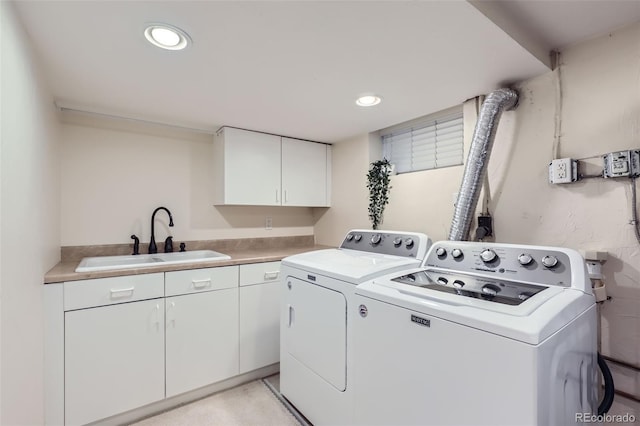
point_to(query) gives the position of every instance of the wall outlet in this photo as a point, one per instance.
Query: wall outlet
(268, 223)
(563, 170)
(622, 164)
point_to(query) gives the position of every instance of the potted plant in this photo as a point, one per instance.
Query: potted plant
(379, 184)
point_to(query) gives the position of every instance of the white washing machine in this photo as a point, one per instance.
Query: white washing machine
(317, 315)
(481, 334)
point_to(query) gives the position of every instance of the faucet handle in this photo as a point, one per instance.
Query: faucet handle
(182, 247)
(136, 244)
(168, 244)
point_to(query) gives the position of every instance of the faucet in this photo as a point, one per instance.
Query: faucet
(152, 244)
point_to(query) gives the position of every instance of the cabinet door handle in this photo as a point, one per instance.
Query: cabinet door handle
(292, 313)
(122, 292)
(271, 275)
(157, 315)
(277, 198)
(171, 317)
(201, 283)
(286, 198)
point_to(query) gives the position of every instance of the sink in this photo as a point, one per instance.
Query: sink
(105, 263)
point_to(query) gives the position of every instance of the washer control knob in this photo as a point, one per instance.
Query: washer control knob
(458, 284)
(397, 241)
(456, 253)
(375, 239)
(525, 259)
(349, 237)
(357, 237)
(408, 242)
(441, 252)
(490, 290)
(550, 261)
(442, 280)
(525, 295)
(488, 255)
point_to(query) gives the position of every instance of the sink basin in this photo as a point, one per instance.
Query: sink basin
(105, 263)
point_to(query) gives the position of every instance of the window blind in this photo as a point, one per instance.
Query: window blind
(430, 142)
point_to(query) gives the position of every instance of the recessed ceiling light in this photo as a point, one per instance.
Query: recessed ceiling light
(368, 100)
(167, 36)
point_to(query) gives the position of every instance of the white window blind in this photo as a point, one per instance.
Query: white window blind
(429, 142)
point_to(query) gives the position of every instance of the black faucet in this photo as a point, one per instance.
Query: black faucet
(152, 244)
(136, 245)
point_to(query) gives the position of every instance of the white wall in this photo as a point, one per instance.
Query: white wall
(29, 222)
(600, 113)
(115, 174)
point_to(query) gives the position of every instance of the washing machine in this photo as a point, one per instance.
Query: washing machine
(317, 315)
(481, 334)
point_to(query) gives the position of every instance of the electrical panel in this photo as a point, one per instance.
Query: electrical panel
(563, 170)
(622, 164)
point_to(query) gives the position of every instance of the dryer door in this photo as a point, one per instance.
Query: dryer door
(315, 330)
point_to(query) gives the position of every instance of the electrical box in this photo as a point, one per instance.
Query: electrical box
(563, 170)
(622, 164)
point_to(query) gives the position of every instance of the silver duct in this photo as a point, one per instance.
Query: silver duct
(476, 167)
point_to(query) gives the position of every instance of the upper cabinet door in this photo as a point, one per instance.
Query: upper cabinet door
(305, 178)
(247, 168)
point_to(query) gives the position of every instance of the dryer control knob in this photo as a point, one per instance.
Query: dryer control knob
(525, 259)
(397, 241)
(375, 239)
(408, 242)
(357, 237)
(550, 261)
(349, 237)
(488, 255)
(442, 281)
(458, 284)
(441, 252)
(456, 253)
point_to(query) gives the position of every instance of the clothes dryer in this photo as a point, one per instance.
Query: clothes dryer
(317, 315)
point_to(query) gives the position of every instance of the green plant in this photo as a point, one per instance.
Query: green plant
(379, 184)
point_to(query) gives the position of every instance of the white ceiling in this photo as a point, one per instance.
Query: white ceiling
(295, 67)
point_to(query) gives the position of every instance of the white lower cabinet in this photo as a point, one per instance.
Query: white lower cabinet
(202, 339)
(117, 344)
(114, 359)
(260, 296)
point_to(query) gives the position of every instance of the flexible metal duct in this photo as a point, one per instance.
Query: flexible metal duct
(476, 167)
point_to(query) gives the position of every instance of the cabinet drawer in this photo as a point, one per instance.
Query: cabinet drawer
(196, 280)
(109, 291)
(257, 273)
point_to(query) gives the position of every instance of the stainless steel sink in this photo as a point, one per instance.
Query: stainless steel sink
(105, 263)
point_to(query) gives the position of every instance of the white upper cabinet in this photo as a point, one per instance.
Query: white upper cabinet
(260, 169)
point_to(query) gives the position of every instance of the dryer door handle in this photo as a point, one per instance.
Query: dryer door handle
(291, 312)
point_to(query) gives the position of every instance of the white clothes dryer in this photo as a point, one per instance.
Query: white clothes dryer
(482, 334)
(317, 315)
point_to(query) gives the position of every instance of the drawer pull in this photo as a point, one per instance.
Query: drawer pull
(271, 275)
(123, 292)
(201, 283)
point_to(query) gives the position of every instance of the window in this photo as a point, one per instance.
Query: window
(430, 142)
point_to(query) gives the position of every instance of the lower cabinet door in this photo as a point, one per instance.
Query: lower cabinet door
(114, 359)
(202, 339)
(259, 325)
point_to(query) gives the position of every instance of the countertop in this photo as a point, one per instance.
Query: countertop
(65, 270)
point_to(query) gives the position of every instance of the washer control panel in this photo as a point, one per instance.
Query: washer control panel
(544, 265)
(404, 244)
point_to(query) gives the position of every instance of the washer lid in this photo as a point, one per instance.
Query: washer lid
(352, 266)
(532, 321)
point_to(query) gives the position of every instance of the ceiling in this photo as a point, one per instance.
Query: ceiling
(295, 68)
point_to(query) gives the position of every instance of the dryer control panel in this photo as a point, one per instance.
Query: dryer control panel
(394, 243)
(551, 266)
